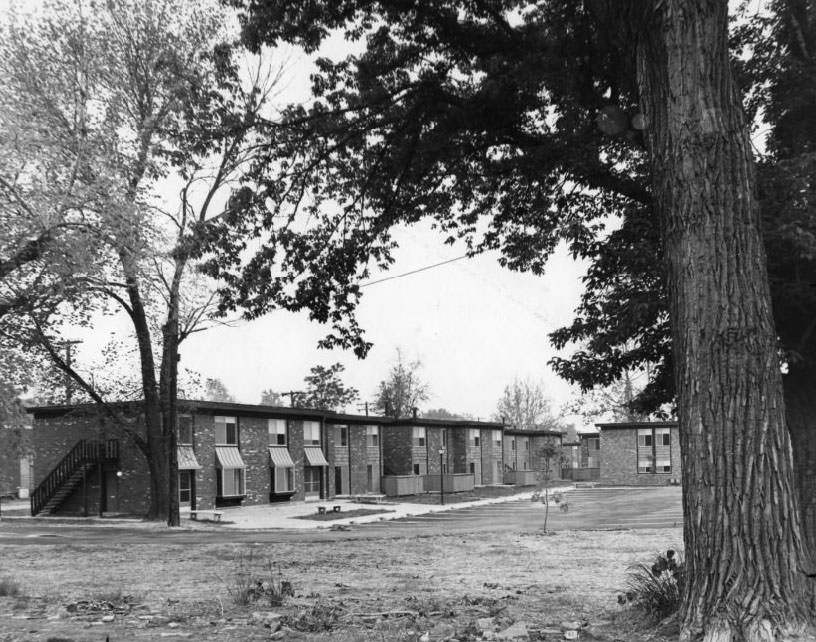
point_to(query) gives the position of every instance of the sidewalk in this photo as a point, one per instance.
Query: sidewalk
(266, 516)
(274, 516)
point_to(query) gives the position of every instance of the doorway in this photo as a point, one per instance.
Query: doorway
(111, 492)
(312, 479)
(185, 488)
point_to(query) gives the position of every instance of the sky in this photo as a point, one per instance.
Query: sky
(472, 324)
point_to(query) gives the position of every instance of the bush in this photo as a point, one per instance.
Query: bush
(249, 587)
(9, 587)
(656, 589)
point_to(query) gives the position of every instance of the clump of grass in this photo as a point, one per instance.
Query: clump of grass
(656, 589)
(249, 587)
(9, 587)
(317, 618)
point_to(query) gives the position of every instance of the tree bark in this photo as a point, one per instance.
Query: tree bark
(800, 406)
(742, 536)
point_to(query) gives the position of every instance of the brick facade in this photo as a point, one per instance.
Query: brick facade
(522, 448)
(15, 460)
(619, 455)
(359, 452)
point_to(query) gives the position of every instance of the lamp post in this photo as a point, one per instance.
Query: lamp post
(441, 477)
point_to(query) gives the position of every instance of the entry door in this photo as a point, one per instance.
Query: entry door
(111, 492)
(338, 480)
(185, 487)
(311, 482)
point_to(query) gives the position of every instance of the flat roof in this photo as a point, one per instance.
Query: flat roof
(272, 412)
(533, 433)
(622, 425)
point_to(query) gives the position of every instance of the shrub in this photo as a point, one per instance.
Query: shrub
(249, 587)
(9, 587)
(656, 589)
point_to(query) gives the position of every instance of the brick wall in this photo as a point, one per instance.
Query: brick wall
(254, 446)
(53, 438)
(397, 450)
(15, 444)
(492, 455)
(204, 447)
(619, 459)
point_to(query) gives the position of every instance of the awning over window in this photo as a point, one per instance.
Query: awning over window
(315, 456)
(280, 457)
(186, 458)
(227, 457)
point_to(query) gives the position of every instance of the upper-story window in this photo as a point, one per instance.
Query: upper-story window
(372, 436)
(444, 437)
(497, 437)
(226, 431)
(311, 433)
(474, 436)
(277, 432)
(513, 443)
(341, 435)
(185, 429)
(419, 436)
(645, 437)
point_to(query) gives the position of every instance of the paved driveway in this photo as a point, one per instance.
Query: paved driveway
(592, 508)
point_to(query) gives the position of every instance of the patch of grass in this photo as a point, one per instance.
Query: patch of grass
(9, 587)
(656, 589)
(329, 516)
(249, 587)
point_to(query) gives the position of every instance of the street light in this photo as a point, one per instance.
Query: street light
(441, 477)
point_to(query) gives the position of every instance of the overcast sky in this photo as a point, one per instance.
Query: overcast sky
(473, 325)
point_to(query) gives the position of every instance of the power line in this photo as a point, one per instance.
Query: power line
(417, 271)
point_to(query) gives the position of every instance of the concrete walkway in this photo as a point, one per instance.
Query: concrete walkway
(286, 515)
(272, 516)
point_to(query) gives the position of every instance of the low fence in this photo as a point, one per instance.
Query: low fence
(455, 483)
(396, 485)
(581, 474)
(521, 477)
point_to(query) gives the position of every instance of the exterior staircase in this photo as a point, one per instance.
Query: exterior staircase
(69, 472)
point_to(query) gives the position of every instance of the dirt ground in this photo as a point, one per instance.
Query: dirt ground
(403, 589)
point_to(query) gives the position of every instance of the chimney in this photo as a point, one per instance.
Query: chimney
(415, 409)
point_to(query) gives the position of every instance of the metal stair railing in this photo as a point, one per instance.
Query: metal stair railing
(84, 452)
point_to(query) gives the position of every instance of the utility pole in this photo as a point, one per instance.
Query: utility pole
(292, 394)
(69, 358)
(361, 406)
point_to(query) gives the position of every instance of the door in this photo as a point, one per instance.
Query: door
(111, 492)
(311, 482)
(338, 480)
(185, 487)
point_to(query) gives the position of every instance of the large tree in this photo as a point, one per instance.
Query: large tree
(402, 391)
(119, 98)
(325, 389)
(524, 406)
(459, 110)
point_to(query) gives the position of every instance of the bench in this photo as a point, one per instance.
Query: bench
(215, 515)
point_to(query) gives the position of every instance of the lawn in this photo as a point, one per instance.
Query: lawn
(398, 589)
(481, 492)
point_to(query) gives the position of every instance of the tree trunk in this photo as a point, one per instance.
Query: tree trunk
(800, 407)
(742, 536)
(157, 452)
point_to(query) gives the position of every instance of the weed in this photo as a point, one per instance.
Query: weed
(249, 587)
(318, 617)
(656, 590)
(9, 587)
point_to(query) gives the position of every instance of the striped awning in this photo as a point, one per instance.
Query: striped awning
(186, 458)
(280, 457)
(315, 456)
(228, 457)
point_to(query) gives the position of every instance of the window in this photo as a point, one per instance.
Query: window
(372, 436)
(472, 468)
(474, 436)
(419, 436)
(277, 432)
(230, 482)
(421, 468)
(185, 430)
(526, 444)
(513, 444)
(341, 435)
(444, 438)
(497, 437)
(416, 469)
(226, 431)
(594, 443)
(654, 450)
(282, 479)
(311, 433)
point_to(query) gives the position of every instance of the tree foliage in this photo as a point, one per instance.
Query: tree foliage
(523, 405)
(403, 390)
(216, 390)
(325, 389)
